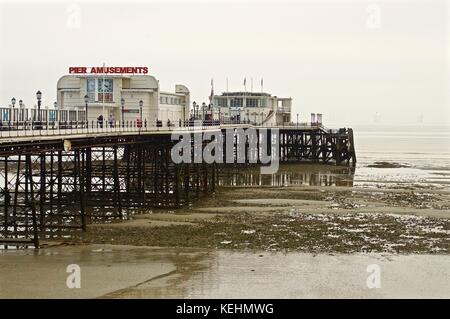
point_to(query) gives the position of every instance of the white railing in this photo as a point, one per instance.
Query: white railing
(12, 130)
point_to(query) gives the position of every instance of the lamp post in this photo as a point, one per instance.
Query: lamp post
(39, 97)
(55, 107)
(297, 119)
(86, 100)
(21, 116)
(141, 104)
(194, 105)
(203, 110)
(122, 102)
(13, 102)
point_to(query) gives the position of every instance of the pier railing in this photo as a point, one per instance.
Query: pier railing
(55, 128)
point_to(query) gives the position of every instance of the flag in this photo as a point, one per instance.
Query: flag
(211, 96)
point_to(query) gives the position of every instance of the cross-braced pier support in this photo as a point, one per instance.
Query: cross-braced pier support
(49, 191)
(51, 186)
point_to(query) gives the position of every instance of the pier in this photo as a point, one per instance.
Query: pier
(57, 177)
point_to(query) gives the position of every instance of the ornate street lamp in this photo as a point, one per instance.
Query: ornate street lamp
(141, 104)
(122, 102)
(13, 101)
(203, 110)
(55, 107)
(194, 105)
(21, 106)
(39, 97)
(86, 100)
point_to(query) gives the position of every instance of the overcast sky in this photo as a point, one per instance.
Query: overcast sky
(357, 62)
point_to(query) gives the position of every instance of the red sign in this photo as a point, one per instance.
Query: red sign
(108, 70)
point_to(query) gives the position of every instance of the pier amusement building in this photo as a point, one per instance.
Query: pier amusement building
(119, 95)
(258, 108)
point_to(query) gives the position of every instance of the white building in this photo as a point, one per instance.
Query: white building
(259, 108)
(105, 93)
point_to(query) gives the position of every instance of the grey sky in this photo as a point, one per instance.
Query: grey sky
(324, 54)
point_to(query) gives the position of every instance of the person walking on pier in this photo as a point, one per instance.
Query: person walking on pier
(100, 121)
(111, 120)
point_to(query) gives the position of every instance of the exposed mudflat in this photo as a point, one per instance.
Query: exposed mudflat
(295, 218)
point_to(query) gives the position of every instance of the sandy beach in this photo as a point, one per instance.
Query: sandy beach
(116, 271)
(284, 240)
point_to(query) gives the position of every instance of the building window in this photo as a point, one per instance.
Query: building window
(92, 89)
(106, 90)
(263, 102)
(99, 90)
(235, 102)
(221, 102)
(251, 102)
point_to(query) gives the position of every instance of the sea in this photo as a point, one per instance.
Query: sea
(419, 155)
(387, 156)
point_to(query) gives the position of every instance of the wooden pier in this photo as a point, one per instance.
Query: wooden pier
(57, 181)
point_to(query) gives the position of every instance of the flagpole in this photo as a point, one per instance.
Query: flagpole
(103, 95)
(245, 91)
(261, 92)
(227, 93)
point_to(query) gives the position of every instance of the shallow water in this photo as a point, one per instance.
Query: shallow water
(425, 151)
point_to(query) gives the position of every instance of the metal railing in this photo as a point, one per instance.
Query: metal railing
(55, 128)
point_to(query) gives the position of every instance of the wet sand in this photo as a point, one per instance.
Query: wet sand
(114, 271)
(282, 237)
(104, 269)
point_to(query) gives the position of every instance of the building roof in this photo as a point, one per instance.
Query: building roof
(243, 93)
